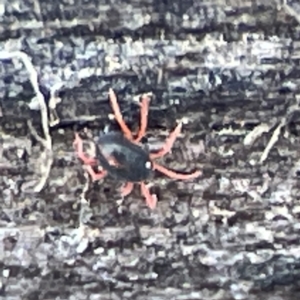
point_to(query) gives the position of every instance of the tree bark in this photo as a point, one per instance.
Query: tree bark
(230, 68)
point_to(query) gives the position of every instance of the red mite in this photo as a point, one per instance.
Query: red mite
(121, 156)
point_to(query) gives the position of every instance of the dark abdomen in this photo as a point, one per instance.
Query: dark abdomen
(130, 160)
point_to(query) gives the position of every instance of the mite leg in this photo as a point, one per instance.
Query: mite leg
(144, 118)
(95, 175)
(118, 115)
(175, 175)
(151, 200)
(78, 145)
(169, 143)
(126, 189)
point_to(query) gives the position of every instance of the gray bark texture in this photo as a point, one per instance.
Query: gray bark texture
(230, 70)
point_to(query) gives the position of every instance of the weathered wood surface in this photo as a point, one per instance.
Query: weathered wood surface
(227, 66)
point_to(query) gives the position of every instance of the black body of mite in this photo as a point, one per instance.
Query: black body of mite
(133, 163)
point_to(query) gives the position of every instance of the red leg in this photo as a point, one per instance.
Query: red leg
(126, 189)
(151, 200)
(144, 118)
(176, 175)
(95, 176)
(78, 145)
(169, 143)
(118, 115)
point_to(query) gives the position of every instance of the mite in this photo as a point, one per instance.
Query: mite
(121, 156)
